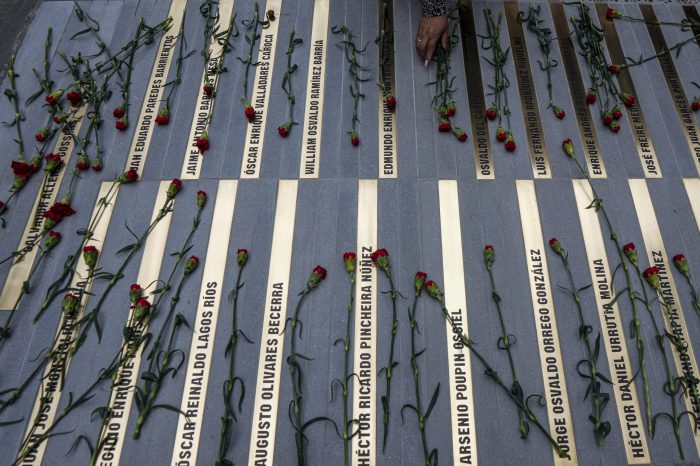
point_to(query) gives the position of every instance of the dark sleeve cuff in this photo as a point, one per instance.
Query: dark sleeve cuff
(433, 7)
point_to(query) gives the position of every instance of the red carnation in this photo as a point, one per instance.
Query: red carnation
(608, 118)
(681, 263)
(433, 290)
(96, 165)
(203, 143)
(60, 118)
(141, 309)
(90, 254)
(614, 69)
(616, 112)
(696, 104)
(174, 188)
(612, 14)
(555, 245)
(651, 274)
(630, 251)
(354, 138)
(559, 112)
(444, 125)
(135, 292)
(56, 213)
(52, 239)
(53, 98)
(122, 124)
(249, 112)
(284, 129)
(69, 304)
(489, 254)
(451, 109)
(390, 102)
(419, 281)
(459, 134)
(590, 97)
(501, 134)
(83, 163)
(378, 254)
(74, 98)
(163, 117)
(42, 135)
(119, 111)
(627, 99)
(491, 113)
(317, 275)
(208, 89)
(191, 265)
(510, 143)
(201, 198)
(614, 127)
(128, 177)
(350, 261)
(53, 162)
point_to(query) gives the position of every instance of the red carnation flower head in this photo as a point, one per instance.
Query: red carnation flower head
(568, 146)
(119, 111)
(135, 292)
(459, 134)
(627, 99)
(614, 127)
(696, 104)
(141, 309)
(60, 118)
(444, 125)
(56, 213)
(208, 88)
(53, 98)
(612, 14)
(317, 275)
(70, 304)
(42, 135)
(451, 109)
(203, 143)
(590, 97)
(242, 256)
(201, 199)
(83, 163)
(556, 246)
(681, 264)
(122, 124)
(510, 143)
(129, 177)
(191, 265)
(630, 251)
(52, 239)
(613, 68)
(559, 112)
(419, 281)
(249, 111)
(350, 261)
(174, 188)
(489, 255)
(90, 254)
(163, 117)
(24, 170)
(390, 101)
(53, 162)
(616, 112)
(433, 290)
(74, 98)
(491, 113)
(380, 257)
(651, 275)
(285, 128)
(607, 118)
(354, 138)
(96, 164)
(501, 134)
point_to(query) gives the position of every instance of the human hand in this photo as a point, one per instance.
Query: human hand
(431, 31)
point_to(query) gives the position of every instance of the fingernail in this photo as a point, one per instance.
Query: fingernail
(426, 63)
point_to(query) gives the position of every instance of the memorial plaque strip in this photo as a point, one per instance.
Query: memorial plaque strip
(674, 320)
(255, 136)
(620, 366)
(45, 198)
(267, 387)
(551, 361)
(692, 187)
(483, 154)
(463, 419)
(387, 117)
(364, 386)
(315, 85)
(640, 131)
(51, 385)
(586, 129)
(122, 394)
(528, 96)
(204, 107)
(691, 12)
(154, 94)
(675, 87)
(211, 293)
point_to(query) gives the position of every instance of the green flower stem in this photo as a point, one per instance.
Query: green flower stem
(12, 94)
(178, 63)
(94, 27)
(126, 84)
(91, 318)
(252, 39)
(229, 416)
(505, 339)
(598, 399)
(347, 422)
(386, 399)
(294, 42)
(387, 28)
(45, 82)
(351, 56)
(693, 292)
(544, 38)
(429, 458)
(629, 289)
(672, 385)
(664, 52)
(501, 82)
(295, 373)
(493, 375)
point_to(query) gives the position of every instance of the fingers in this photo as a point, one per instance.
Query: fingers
(445, 41)
(430, 49)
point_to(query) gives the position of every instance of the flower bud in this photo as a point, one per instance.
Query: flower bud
(90, 254)
(510, 143)
(141, 309)
(249, 112)
(191, 265)
(627, 99)
(631, 251)
(119, 111)
(433, 289)
(501, 134)
(568, 146)
(390, 102)
(242, 257)
(491, 113)
(52, 239)
(651, 274)
(163, 117)
(419, 281)
(317, 275)
(174, 188)
(613, 14)
(489, 255)
(556, 246)
(459, 134)
(70, 304)
(284, 129)
(350, 261)
(122, 124)
(681, 263)
(590, 97)
(96, 164)
(83, 162)
(354, 138)
(201, 199)
(444, 125)
(559, 112)
(135, 292)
